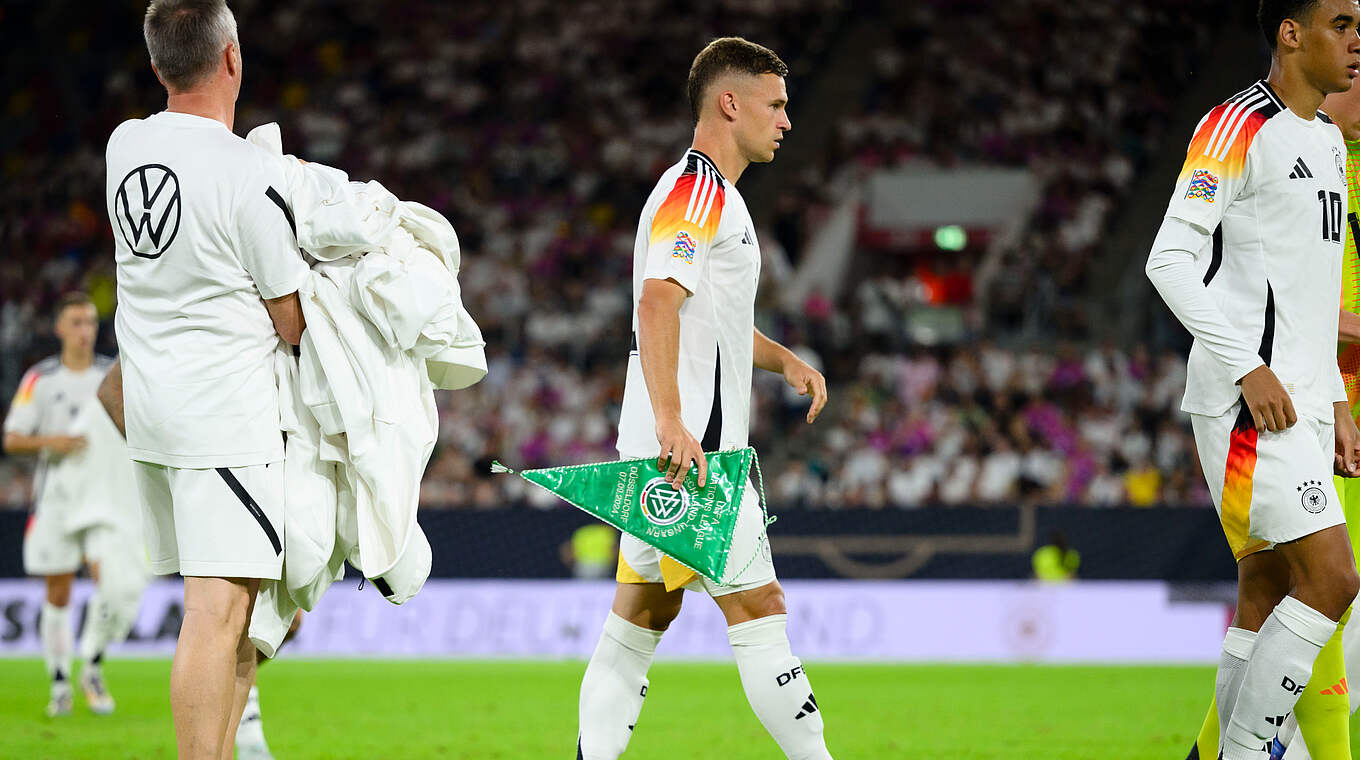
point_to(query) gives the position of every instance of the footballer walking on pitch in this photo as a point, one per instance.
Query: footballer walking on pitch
(696, 266)
(208, 272)
(1249, 259)
(84, 506)
(1320, 726)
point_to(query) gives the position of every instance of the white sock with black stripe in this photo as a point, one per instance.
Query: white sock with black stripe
(54, 628)
(1281, 664)
(613, 688)
(777, 687)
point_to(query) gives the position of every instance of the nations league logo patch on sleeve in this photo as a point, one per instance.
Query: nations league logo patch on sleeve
(684, 247)
(1203, 185)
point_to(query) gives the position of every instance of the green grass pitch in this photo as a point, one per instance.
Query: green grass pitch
(371, 709)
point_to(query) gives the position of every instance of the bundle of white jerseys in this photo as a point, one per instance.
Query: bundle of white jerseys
(385, 327)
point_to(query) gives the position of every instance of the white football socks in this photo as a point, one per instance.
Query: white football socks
(613, 688)
(54, 628)
(250, 740)
(94, 633)
(1232, 665)
(109, 617)
(1276, 674)
(777, 687)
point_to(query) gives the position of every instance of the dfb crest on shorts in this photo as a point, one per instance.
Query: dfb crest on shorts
(147, 210)
(1312, 497)
(662, 503)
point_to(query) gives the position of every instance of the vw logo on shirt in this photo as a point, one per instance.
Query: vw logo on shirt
(146, 209)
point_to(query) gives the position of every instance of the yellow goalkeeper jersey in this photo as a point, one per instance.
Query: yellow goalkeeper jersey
(1348, 356)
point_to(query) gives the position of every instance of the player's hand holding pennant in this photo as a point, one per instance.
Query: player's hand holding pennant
(691, 524)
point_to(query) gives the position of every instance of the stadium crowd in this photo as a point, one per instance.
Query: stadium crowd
(539, 127)
(1067, 91)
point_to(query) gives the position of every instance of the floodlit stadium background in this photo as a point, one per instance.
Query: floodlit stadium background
(954, 231)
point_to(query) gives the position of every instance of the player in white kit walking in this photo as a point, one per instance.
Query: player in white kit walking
(208, 272)
(84, 505)
(696, 265)
(1249, 259)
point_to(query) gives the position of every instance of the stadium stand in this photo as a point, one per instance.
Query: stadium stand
(538, 127)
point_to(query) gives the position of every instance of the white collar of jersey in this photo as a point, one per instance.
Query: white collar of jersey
(189, 119)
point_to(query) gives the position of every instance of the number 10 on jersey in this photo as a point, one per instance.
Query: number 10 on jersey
(1331, 215)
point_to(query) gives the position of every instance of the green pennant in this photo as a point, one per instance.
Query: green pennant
(694, 526)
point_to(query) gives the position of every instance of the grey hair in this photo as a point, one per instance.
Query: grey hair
(186, 37)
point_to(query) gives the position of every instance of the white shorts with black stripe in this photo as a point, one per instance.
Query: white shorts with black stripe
(226, 522)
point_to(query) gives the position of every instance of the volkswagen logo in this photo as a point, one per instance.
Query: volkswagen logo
(662, 503)
(147, 209)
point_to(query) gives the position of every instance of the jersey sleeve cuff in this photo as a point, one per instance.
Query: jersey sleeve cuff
(273, 290)
(1242, 370)
(687, 279)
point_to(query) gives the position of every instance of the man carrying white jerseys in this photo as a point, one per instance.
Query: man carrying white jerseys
(208, 272)
(696, 265)
(1249, 260)
(84, 505)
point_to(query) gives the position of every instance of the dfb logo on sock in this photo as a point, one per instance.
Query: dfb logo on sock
(1288, 685)
(784, 679)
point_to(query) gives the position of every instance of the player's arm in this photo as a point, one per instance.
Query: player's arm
(679, 242)
(1215, 171)
(1349, 327)
(20, 444)
(110, 395)
(1172, 270)
(772, 356)
(659, 350)
(21, 424)
(1347, 461)
(270, 253)
(286, 312)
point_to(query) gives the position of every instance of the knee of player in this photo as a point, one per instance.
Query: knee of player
(766, 600)
(1347, 586)
(665, 613)
(59, 590)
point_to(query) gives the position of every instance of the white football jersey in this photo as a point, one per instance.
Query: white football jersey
(54, 400)
(695, 229)
(1271, 188)
(202, 235)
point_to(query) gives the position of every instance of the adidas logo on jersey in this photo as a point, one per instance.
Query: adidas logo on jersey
(1300, 170)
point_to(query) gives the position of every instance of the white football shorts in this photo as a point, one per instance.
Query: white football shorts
(1269, 488)
(50, 548)
(226, 522)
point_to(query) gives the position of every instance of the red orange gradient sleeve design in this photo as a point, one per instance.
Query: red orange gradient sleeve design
(23, 413)
(683, 228)
(1215, 167)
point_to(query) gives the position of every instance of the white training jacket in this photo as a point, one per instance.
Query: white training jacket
(385, 327)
